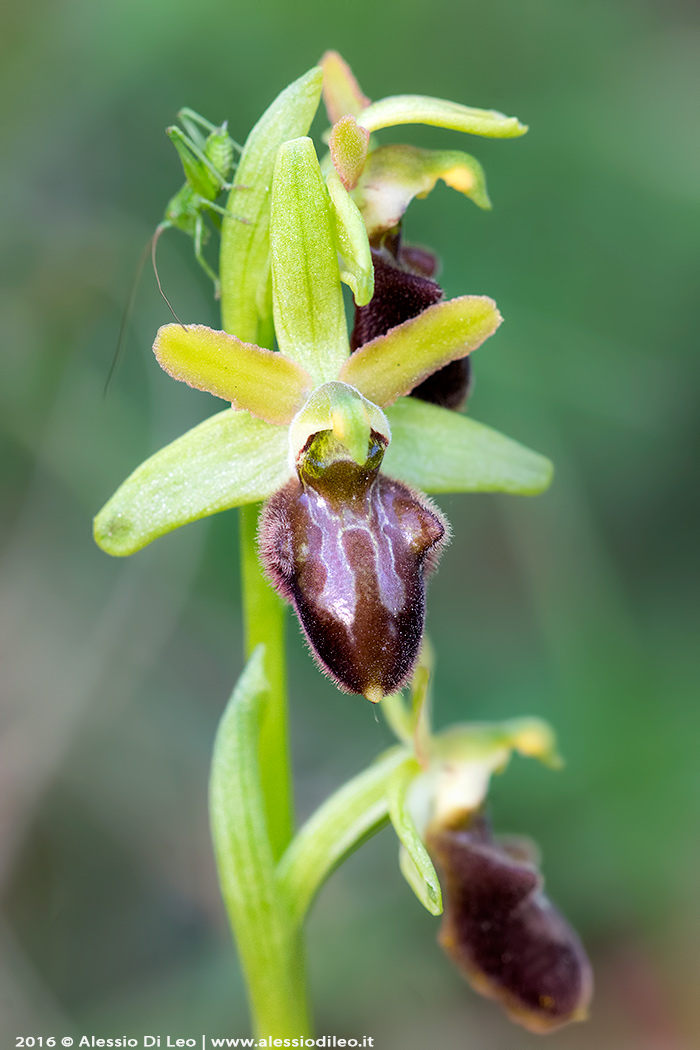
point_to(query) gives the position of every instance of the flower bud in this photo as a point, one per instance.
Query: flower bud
(502, 932)
(350, 549)
(404, 288)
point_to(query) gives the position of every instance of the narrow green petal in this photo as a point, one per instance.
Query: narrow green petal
(307, 297)
(246, 297)
(348, 145)
(420, 873)
(394, 175)
(351, 240)
(437, 450)
(229, 459)
(261, 382)
(341, 92)
(420, 109)
(393, 364)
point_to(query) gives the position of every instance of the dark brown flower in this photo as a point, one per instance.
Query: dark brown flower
(503, 933)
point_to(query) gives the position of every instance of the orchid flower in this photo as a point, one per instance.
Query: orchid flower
(280, 401)
(498, 927)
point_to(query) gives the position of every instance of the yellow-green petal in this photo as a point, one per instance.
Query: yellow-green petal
(246, 291)
(261, 382)
(395, 363)
(230, 459)
(437, 450)
(394, 175)
(439, 112)
(348, 145)
(307, 297)
(357, 270)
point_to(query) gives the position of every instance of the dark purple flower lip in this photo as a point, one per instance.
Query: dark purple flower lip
(503, 933)
(351, 549)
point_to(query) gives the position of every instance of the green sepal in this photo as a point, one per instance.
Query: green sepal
(419, 873)
(342, 94)
(266, 384)
(229, 459)
(437, 450)
(246, 290)
(307, 297)
(416, 881)
(440, 113)
(357, 270)
(348, 144)
(342, 823)
(393, 364)
(394, 175)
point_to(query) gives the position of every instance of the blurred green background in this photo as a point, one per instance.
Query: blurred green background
(577, 606)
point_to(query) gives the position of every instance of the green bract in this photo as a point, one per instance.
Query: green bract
(243, 456)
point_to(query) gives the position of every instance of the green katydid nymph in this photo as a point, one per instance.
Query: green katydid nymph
(207, 153)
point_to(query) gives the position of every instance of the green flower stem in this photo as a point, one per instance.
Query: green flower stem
(263, 622)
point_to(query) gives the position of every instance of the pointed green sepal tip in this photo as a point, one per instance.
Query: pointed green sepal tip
(440, 113)
(395, 363)
(342, 409)
(395, 174)
(437, 450)
(228, 460)
(357, 270)
(307, 297)
(341, 92)
(415, 863)
(261, 382)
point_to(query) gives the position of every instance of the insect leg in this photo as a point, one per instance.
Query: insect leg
(191, 120)
(198, 236)
(223, 211)
(182, 143)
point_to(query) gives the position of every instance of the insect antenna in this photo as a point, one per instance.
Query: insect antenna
(126, 318)
(154, 244)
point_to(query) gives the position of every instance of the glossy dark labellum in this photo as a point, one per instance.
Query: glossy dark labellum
(403, 288)
(350, 548)
(503, 933)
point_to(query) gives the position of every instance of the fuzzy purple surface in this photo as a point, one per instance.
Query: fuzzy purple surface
(351, 551)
